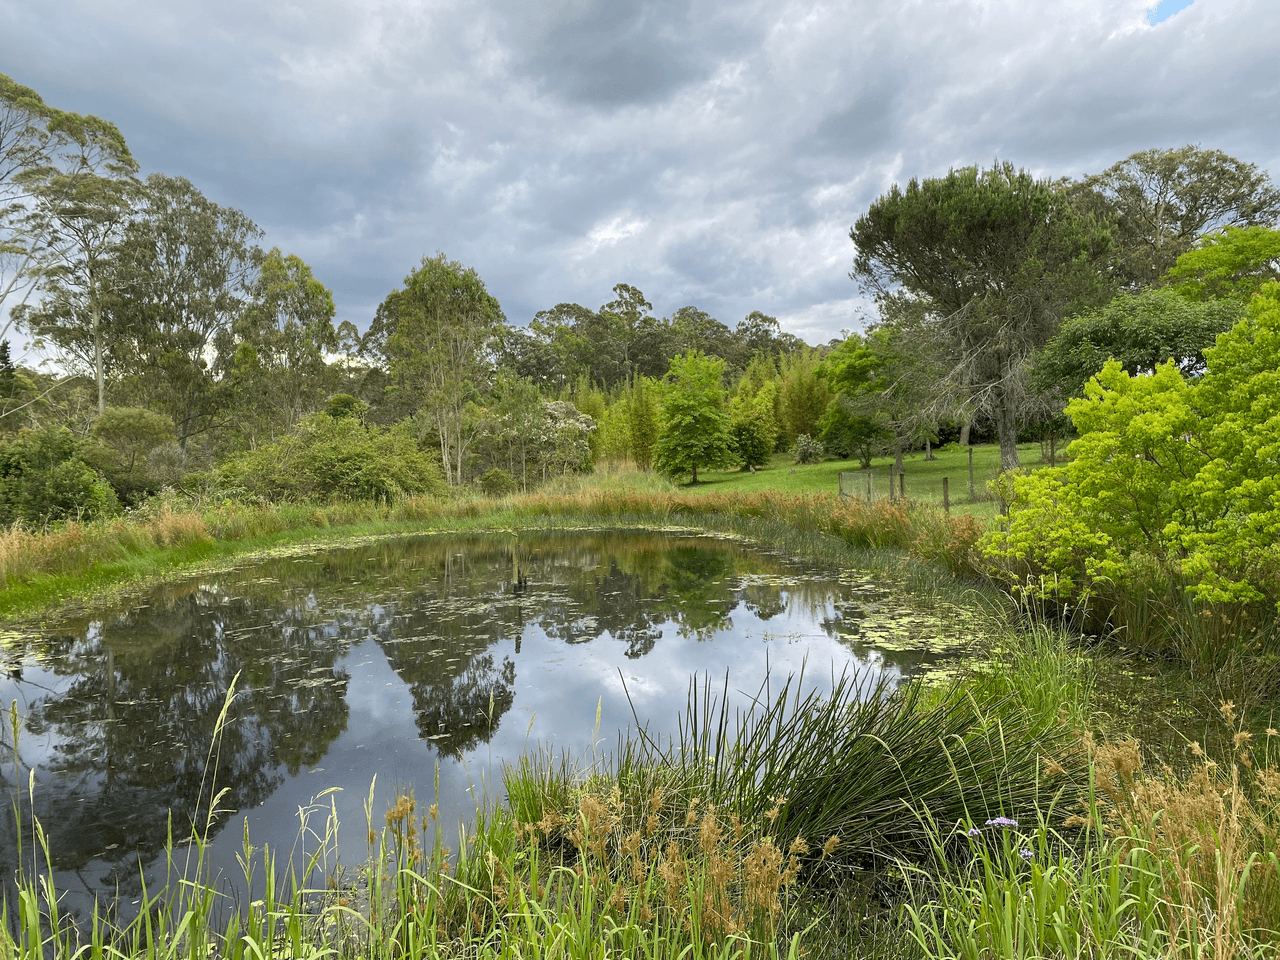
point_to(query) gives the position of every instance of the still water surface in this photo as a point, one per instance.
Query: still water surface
(395, 660)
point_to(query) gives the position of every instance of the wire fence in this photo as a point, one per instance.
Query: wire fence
(885, 483)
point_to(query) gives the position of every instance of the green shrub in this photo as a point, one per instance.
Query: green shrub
(808, 449)
(497, 482)
(43, 479)
(342, 405)
(336, 459)
(132, 449)
(1179, 473)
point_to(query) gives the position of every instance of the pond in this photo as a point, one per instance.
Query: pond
(397, 660)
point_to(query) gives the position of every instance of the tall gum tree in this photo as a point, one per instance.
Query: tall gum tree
(282, 339)
(187, 267)
(440, 333)
(997, 257)
(1160, 202)
(24, 141)
(79, 201)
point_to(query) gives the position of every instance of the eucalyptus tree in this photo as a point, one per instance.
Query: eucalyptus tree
(624, 322)
(24, 139)
(1162, 201)
(187, 268)
(438, 336)
(281, 341)
(995, 258)
(80, 190)
(760, 333)
(695, 329)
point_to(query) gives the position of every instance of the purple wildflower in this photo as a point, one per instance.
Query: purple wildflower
(975, 832)
(1002, 822)
(1026, 854)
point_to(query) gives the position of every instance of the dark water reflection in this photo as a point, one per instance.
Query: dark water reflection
(392, 659)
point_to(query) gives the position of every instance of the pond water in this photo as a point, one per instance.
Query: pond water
(399, 659)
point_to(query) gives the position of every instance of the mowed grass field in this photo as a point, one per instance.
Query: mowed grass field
(923, 477)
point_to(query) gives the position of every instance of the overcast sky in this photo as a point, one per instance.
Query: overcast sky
(709, 153)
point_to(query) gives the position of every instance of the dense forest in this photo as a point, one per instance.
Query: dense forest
(185, 353)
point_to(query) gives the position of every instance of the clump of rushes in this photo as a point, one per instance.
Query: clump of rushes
(748, 822)
(855, 762)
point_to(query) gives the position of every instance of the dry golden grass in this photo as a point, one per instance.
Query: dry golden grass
(655, 861)
(1213, 834)
(76, 547)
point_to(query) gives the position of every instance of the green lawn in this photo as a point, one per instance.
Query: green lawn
(923, 478)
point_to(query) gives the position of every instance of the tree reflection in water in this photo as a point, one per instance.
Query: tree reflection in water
(119, 706)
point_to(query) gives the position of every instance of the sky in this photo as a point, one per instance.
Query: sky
(708, 153)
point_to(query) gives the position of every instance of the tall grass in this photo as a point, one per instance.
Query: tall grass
(707, 888)
(1153, 864)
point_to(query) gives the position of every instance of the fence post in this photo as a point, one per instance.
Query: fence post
(972, 495)
(902, 486)
(870, 486)
(946, 498)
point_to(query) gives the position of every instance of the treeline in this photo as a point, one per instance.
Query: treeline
(189, 354)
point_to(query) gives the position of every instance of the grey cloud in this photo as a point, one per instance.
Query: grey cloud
(709, 153)
(613, 53)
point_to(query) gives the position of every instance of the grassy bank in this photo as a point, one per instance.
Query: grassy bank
(923, 477)
(42, 571)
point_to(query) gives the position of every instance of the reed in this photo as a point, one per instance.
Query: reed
(853, 763)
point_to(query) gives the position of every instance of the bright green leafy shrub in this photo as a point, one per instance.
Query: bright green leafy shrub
(1185, 474)
(336, 459)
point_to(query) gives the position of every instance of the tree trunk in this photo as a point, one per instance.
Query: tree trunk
(964, 432)
(96, 313)
(897, 457)
(1007, 429)
(695, 474)
(459, 440)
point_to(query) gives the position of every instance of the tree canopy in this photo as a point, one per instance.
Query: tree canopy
(1161, 202)
(695, 424)
(995, 258)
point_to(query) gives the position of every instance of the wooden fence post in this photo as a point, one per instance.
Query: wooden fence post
(902, 486)
(946, 498)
